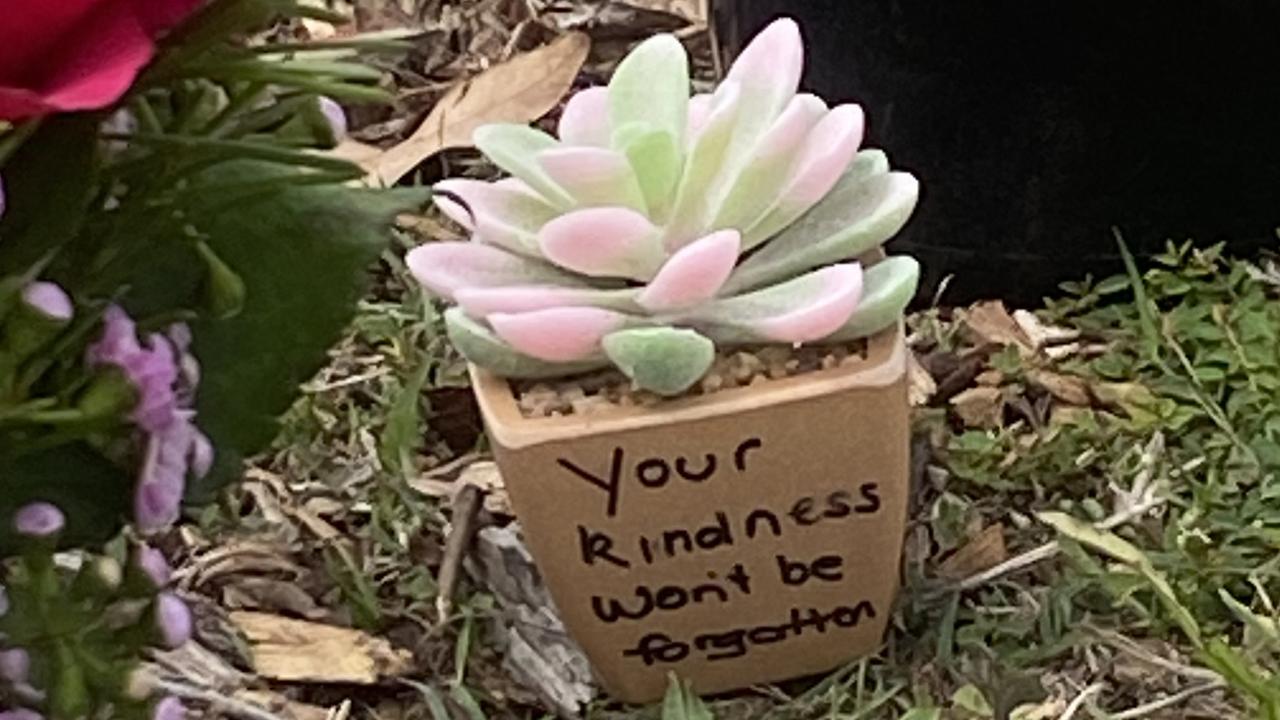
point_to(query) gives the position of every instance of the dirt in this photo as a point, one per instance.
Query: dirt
(736, 368)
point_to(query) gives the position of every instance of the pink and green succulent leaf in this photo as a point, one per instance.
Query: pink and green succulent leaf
(444, 268)
(658, 160)
(594, 176)
(585, 119)
(801, 310)
(663, 360)
(611, 242)
(479, 302)
(888, 286)
(824, 158)
(515, 149)
(651, 87)
(481, 346)
(699, 112)
(767, 72)
(694, 206)
(867, 207)
(561, 334)
(694, 274)
(757, 188)
(506, 213)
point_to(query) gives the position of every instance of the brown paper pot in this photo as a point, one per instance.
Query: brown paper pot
(747, 536)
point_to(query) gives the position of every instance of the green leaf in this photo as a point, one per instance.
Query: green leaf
(651, 86)
(663, 360)
(49, 182)
(403, 432)
(303, 254)
(1122, 550)
(681, 703)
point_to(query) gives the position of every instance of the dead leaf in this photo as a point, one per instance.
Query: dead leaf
(691, 11)
(980, 407)
(990, 378)
(301, 651)
(1042, 335)
(1067, 388)
(520, 90)
(920, 384)
(270, 595)
(984, 551)
(991, 323)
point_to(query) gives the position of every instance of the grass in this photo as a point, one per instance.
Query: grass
(1141, 574)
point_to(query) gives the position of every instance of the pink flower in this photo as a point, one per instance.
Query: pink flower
(67, 55)
(173, 622)
(39, 520)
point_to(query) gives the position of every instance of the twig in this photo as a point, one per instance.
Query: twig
(1133, 649)
(229, 705)
(1080, 700)
(466, 507)
(1145, 709)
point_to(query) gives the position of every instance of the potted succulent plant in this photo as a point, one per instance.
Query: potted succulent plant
(732, 537)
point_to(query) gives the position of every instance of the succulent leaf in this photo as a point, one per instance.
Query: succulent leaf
(479, 345)
(694, 274)
(888, 287)
(857, 216)
(801, 310)
(480, 302)
(651, 87)
(604, 242)
(657, 159)
(594, 176)
(446, 267)
(507, 213)
(563, 334)
(664, 360)
(515, 149)
(826, 155)
(585, 119)
(694, 202)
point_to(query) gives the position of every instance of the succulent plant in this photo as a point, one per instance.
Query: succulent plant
(660, 225)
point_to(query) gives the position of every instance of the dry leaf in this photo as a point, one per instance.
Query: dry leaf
(520, 90)
(1041, 334)
(691, 11)
(1067, 388)
(992, 324)
(984, 551)
(300, 651)
(980, 407)
(920, 384)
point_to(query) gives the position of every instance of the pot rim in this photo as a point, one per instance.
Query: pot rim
(884, 364)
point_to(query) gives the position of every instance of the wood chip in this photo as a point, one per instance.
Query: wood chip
(984, 551)
(980, 407)
(520, 90)
(300, 651)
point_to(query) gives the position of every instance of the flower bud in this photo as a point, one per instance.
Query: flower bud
(15, 666)
(99, 577)
(223, 289)
(335, 116)
(173, 622)
(169, 708)
(39, 520)
(20, 714)
(44, 311)
(149, 564)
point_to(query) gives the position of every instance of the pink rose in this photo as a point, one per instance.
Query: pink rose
(61, 55)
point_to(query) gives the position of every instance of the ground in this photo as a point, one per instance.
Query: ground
(1094, 519)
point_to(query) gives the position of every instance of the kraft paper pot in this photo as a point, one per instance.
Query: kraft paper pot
(747, 536)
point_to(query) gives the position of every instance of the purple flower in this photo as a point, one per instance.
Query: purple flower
(151, 368)
(164, 375)
(172, 620)
(169, 708)
(15, 665)
(152, 564)
(20, 714)
(49, 300)
(39, 520)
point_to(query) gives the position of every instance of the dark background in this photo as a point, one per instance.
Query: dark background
(1036, 126)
